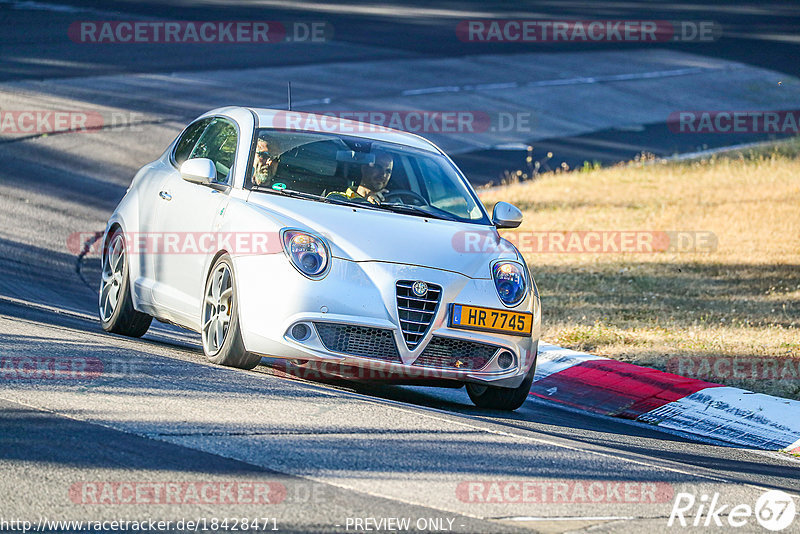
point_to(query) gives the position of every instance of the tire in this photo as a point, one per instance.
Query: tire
(222, 336)
(496, 398)
(117, 314)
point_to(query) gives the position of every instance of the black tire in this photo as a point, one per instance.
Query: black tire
(120, 318)
(231, 351)
(496, 398)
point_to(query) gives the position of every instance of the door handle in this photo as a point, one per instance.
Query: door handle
(165, 195)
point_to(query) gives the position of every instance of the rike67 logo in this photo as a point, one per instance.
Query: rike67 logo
(774, 510)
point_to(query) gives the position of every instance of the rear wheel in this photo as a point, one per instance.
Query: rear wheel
(222, 337)
(497, 398)
(117, 313)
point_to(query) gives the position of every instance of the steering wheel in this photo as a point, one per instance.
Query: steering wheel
(415, 199)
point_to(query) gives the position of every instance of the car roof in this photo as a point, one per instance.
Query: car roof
(274, 118)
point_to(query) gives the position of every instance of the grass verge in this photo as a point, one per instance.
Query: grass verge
(728, 313)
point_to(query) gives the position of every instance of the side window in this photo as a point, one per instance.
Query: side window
(188, 139)
(218, 143)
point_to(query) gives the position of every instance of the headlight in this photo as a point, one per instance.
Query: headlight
(307, 252)
(510, 282)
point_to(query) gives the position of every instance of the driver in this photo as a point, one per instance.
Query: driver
(264, 165)
(375, 176)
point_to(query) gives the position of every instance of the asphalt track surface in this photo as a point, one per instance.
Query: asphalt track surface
(764, 34)
(158, 413)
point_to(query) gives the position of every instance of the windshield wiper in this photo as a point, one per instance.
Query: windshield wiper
(290, 193)
(312, 196)
(418, 210)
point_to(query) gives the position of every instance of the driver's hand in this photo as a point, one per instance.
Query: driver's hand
(377, 197)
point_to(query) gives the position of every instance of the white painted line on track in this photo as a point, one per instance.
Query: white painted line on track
(32, 5)
(580, 80)
(708, 421)
(474, 423)
(45, 307)
(314, 102)
(433, 412)
(156, 332)
(467, 421)
(432, 90)
(588, 518)
(713, 151)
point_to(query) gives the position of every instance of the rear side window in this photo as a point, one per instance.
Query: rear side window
(218, 143)
(188, 140)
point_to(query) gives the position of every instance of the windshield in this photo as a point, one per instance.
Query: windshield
(375, 174)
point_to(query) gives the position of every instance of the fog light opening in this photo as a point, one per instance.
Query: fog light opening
(301, 332)
(505, 360)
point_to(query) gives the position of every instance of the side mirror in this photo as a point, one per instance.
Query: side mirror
(506, 215)
(199, 171)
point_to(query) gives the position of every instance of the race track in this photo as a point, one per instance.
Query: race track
(154, 412)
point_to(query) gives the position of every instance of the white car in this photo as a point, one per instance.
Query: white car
(353, 246)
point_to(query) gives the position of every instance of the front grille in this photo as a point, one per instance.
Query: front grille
(446, 352)
(416, 313)
(363, 341)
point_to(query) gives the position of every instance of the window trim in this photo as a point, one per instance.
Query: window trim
(228, 184)
(178, 139)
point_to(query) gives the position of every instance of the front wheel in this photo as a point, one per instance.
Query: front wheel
(117, 314)
(496, 398)
(222, 336)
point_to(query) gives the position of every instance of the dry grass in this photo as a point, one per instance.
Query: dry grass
(741, 300)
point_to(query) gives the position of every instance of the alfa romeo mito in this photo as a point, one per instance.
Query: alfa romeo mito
(315, 240)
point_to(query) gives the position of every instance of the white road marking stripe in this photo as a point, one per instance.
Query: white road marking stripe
(431, 90)
(581, 80)
(588, 518)
(31, 5)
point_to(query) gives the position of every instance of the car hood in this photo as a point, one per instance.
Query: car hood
(363, 234)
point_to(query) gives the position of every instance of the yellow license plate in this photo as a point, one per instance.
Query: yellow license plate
(490, 320)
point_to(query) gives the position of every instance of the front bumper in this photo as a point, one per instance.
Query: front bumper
(273, 297)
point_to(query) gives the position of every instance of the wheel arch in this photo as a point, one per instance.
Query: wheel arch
(113, 227)
(213, 262)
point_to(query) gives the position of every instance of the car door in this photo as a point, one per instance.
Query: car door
(150, 186)
(188, 212)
